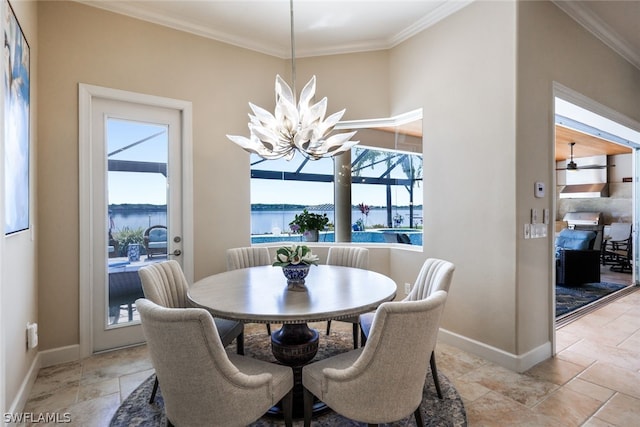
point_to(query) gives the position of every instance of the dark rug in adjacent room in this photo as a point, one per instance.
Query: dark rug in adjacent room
(136, 410)
(571, 298)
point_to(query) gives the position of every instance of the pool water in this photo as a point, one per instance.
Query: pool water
(373, 236)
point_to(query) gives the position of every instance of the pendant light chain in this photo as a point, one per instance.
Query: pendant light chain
(293, 54)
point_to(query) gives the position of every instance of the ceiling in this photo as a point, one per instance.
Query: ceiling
(586, 145)
(347, 26)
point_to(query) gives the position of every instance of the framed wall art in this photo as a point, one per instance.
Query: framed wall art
(16, 123)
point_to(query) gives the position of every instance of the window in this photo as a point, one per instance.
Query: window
(386, 189)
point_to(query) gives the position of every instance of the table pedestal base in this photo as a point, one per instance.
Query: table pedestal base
(296, 345)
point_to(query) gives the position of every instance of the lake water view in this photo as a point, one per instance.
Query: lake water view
(265, 222)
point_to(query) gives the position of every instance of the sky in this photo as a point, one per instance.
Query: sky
(131, 187)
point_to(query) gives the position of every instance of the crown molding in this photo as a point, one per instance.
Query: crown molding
(596, 26)
(133, 11)
(443, 11)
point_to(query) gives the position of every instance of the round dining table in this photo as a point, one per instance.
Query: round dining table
(261, 295)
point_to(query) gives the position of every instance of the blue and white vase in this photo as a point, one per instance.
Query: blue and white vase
(295, 275)
(133, 252)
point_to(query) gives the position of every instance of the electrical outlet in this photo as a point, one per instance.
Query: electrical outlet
(527, 231)
(407, 288)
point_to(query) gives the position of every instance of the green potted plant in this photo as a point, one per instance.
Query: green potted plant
(309, 224)
(295, 261)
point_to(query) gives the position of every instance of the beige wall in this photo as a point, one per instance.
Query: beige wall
(19, 273)
(462, 73)
(553, 48)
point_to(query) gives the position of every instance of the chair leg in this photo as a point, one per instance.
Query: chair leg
(328, 327)
(154, 391)
(356, 332)
(418, 416)
(269, 329)
(308, 407)
(240, 344)
(434, 372)
(287, 408)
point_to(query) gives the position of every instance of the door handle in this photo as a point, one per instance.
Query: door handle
(177, 252)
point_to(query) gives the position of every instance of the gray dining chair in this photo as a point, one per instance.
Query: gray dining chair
(202, 384)
(349, 256)
(383, 381)
(246, 257)
(164, 283)
(435, 275)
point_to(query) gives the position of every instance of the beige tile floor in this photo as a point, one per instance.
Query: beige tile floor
(593, 381)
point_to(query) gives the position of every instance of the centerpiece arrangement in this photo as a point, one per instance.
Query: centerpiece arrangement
(309, 224)
(295, 261)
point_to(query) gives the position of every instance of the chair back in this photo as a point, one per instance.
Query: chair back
(619, 231)
(348, 256)
(435, 275)
(200, 385)
(247, 257)
(164, 283)
(385, 383)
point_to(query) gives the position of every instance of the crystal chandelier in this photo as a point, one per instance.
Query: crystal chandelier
(290, 128)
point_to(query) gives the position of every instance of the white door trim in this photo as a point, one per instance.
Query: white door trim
(86, 95)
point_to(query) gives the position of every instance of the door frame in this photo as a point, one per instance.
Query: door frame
(576, 98)
(86, 95)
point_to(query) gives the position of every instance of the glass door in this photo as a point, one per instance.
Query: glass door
(137, 158)
(137, 211)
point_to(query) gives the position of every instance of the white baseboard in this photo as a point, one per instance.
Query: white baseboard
(43, 359)
(517, 363)
(56, 356)
(22, 396)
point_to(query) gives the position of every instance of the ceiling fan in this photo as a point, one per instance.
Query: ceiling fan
(573, 166)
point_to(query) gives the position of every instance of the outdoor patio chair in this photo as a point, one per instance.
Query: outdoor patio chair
(616, 249)
(155, 240)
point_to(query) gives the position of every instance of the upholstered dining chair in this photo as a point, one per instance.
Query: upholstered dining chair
(435, 275)
(164, 283)
(383, 381)
(348, 256)
(246, 257)
(201, 383)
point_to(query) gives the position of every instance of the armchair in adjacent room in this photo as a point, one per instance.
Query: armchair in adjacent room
(577, 262)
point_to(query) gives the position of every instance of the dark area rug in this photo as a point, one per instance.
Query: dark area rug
(136, 410)
(571, 298)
